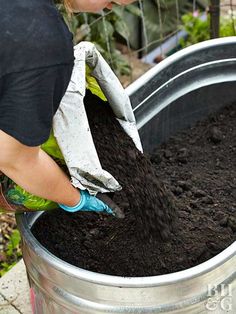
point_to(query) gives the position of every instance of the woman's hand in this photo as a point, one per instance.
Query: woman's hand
(96, 5)
(88, 203)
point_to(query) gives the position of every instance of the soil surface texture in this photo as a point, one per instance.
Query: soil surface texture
(197, 165)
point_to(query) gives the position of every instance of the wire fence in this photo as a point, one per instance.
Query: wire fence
(163, 26)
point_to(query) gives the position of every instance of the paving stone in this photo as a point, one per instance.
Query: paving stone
(14, 289)
(6, 308)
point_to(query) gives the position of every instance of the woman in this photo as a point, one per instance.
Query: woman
(36, 62)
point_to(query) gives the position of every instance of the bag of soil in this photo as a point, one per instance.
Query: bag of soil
(76, 152)
(71, 126)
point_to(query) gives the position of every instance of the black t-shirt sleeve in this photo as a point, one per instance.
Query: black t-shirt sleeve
(29, 100)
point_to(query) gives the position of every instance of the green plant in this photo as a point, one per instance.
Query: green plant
(198, 29)
(228, 27)
(102, 29)
(12, 254)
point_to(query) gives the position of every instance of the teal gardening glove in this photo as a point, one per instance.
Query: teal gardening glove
(88, 203)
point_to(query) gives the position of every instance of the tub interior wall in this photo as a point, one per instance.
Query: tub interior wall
(182, 62)
(185, 112)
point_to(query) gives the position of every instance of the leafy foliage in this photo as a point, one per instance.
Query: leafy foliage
(228, 27)
(199, 30)
(163, 17)
(102, 30)
(12, 254)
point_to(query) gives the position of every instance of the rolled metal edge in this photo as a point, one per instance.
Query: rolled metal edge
(26, 220)
(201, 53)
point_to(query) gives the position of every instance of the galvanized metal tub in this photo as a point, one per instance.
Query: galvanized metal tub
(182, 89)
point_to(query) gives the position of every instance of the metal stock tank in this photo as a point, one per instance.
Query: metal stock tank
(176, 93)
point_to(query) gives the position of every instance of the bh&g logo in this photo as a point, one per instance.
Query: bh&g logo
(219, 297)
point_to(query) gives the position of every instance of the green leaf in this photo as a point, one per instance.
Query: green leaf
(14, 242)
(105, 28)
(122, 29)
(132, 8)
(6, 267)
(118, 10)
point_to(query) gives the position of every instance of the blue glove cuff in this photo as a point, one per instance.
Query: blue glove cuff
(77, 207)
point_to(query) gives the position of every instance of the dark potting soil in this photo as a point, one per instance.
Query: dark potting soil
(198, 166)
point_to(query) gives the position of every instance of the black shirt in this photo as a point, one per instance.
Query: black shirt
(33, 34)
(36, 62)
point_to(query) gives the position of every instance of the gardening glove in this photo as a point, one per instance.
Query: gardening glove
(88, 203)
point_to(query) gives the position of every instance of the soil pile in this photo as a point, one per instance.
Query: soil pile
(143, 196)
(198, 166)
